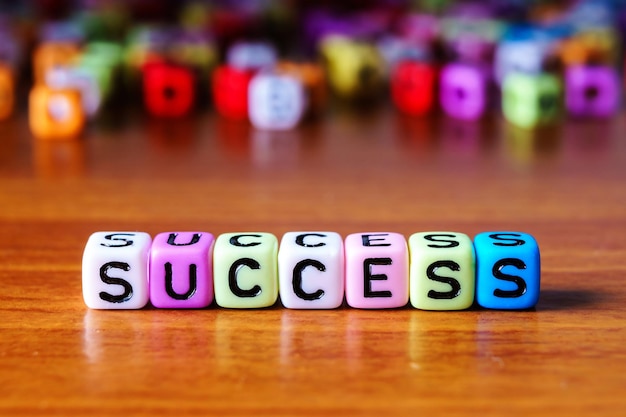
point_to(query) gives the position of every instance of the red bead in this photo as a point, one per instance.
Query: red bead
(413, 87)
(168, 89)
(230, 91)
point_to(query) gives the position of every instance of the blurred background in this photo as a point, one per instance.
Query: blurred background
(278, 63)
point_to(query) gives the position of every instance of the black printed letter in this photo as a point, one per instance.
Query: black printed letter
(453, 283)
(369, 277)
(232, 278)
(128, 289)
(171, 240)
(497, 272)
(169, 285)
(297, 279)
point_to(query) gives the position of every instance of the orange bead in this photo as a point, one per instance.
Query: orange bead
(598, 46)
(313, 79)
(7, 92)
(55, 113)
(52, 54)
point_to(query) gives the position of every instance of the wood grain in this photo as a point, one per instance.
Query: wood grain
(349, 172)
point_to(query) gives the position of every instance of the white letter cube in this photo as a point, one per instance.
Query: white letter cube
(311, 270)
(115, 270)
(275, 102)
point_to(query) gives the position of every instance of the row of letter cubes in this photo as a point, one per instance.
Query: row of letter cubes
(278, 99)
(277, 95)
(312, 270)
(465, 92)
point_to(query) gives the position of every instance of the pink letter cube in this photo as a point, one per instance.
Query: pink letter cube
(181, 272)
(377, 270)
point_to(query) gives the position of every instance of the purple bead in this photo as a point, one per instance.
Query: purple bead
(420, 28)
(320, 23)
(592, 91)
(62, 32)
(471, 48)
(10, 51)
(463, 91)
(181, 271)
(471, 10)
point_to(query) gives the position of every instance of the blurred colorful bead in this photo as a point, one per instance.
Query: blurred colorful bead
(395, 49)
(312, 77)
(169, 90)
(531, 100)
(64, 78)
(230, 91)
(592, 91)
(7, 91)
(55, 114)
(422, 29)
(354, 69)
(319, 24)
(413, 86)
(49, 55)
(276, 101)
(251, 55)
(471, 39)
(194, 49)
(61, 32)
(463, 91)
(597, 46)
(102, 60)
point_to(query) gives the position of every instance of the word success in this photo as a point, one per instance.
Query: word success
(311, 270)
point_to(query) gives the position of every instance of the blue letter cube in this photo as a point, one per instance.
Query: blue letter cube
(508, 270)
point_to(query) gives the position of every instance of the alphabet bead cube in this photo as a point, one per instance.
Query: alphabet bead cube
(55, 114)
(102, 60)
(7, 92)
(276, 101)
(413, 87)
(181, 270)
(599, 45)
(531, 100)
(310, 270)
(354, 69)
(312, 77)
(169, 91)
(508, 270)
(592, 91)
(463, 91)
(230, 91)
(115, 270)
(245, 271)
(519, 56)
(77, 79)
(377, 270)
(251, 55)
(442, 271)
(52, 54)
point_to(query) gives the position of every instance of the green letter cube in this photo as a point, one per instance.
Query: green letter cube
(442, 271)
(245, 270)
(531, 100)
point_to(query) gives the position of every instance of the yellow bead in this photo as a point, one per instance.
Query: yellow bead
(442, 271)
(354, 69)
(245, 270)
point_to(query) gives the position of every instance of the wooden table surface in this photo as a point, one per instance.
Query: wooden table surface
(349, 172)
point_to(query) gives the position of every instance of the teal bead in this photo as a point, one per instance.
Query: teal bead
(508, 270)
